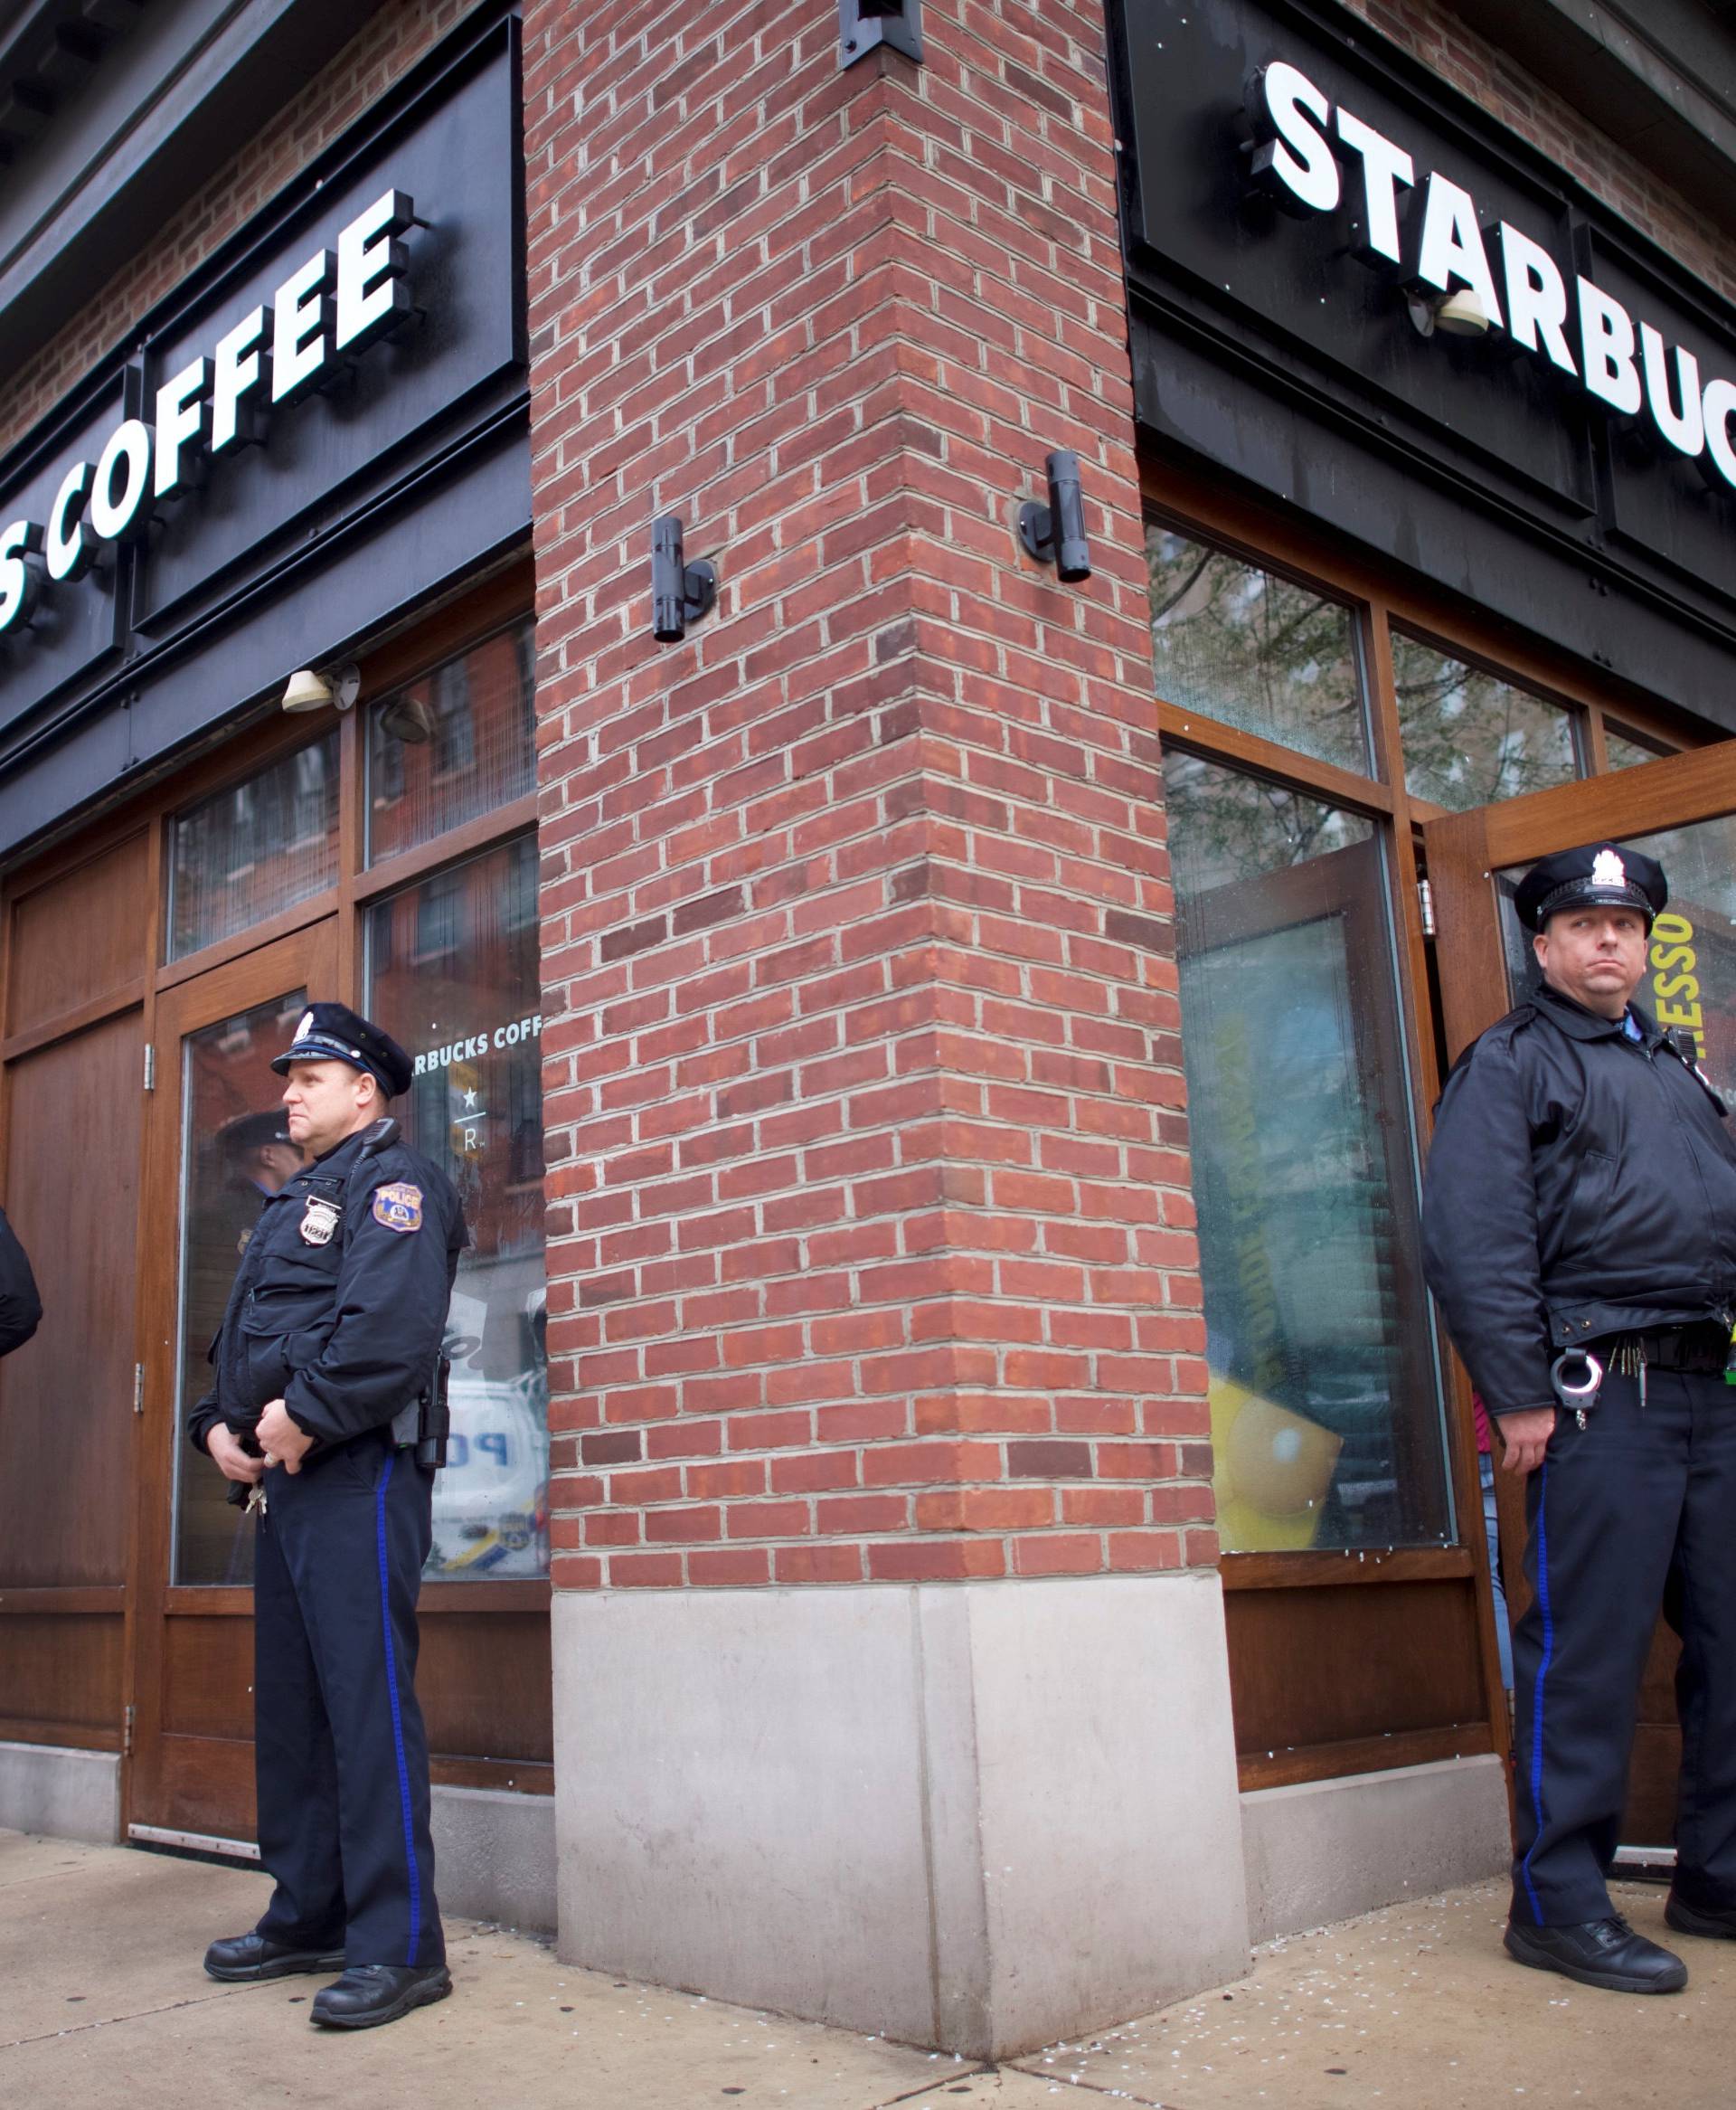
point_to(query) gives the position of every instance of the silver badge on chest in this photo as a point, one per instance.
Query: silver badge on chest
(319, 1221)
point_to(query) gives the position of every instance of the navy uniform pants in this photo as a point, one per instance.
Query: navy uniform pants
(340, 1751)
(1635, 1506)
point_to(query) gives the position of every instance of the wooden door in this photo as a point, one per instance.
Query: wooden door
(211, 1159)
(1682, 810)
(73, 1059)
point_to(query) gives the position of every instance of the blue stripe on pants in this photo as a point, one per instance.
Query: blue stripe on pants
(1537, 1696)
(397, 1716)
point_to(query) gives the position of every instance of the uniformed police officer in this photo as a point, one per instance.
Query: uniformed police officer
(333, 1329)
(21, 1308)
(1580, 1232)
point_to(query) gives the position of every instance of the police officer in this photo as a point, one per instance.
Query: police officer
(1580, 1232)
(332, 1331)
(21, 1308)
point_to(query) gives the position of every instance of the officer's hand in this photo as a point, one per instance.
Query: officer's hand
(226, 1453)
(1525, 1437)
(282, 1442)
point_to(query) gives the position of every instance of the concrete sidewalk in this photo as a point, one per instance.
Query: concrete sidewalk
(103, 2007)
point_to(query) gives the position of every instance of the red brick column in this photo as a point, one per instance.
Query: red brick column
(871, 1262)
(870, 1252)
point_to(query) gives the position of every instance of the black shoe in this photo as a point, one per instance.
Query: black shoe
(257, 1955)
(370, 1993)
(1716, 1923)
(1604, 1953)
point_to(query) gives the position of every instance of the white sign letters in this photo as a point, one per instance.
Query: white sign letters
(327, 312)
(1307, 153)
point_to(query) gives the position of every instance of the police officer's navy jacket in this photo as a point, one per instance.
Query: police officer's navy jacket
(1581, 1184)
(340, 1302)
(21, 1308)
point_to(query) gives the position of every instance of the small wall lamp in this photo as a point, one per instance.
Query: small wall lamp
(864, 26)
(1054, 534)
(1449, 315)
(681, 594)
(308, 690)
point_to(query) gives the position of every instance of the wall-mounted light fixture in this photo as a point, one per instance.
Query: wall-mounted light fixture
(407, 718)
(1448, 315)
(1054, 534)
(864, 26)
(309, 689)
(681, 594)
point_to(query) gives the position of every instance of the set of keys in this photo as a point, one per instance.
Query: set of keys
(255, 1499)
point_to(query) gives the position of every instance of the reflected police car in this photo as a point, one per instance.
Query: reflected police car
(491, 1498)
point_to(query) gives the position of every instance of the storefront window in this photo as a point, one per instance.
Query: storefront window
(1470, 738)
(1253, 650)
(1627, 750)
(453, 974)
(1326, 1393)
(235, 1152)
(259, 847)
(459, 741)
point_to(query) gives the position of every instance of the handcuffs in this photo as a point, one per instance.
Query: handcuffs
(1577, 1394)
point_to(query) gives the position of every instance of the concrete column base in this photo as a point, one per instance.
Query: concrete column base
(61, 1792)
(974, 1816)
(1328, 1849)
(493, 1855)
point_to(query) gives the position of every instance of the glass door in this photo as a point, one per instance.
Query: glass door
(217, 1148)
(1681, 811)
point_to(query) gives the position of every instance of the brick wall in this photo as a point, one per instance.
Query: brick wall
(870, 1234)
(382, 54)
(1431, 32)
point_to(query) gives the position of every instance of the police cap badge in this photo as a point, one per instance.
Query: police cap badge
(1594, 875)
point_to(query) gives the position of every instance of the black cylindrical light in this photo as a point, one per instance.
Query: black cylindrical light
(668, 584)
(1067, 515)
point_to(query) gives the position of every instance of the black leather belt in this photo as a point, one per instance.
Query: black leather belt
(1702, 1347)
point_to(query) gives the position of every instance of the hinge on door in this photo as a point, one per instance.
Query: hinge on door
(1425, 897)
(129, 1717)
(150, 1066)
(138, 1387)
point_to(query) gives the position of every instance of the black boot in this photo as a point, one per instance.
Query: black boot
(256, 1955)
(370, 1993)
(1716, 1923)
(1604, 1953)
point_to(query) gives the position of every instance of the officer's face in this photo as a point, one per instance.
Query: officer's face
(325, 1102)
(1594, 955)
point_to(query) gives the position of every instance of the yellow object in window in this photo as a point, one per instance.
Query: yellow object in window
(1271, 1470)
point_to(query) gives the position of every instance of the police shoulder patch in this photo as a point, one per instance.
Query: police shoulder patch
(399, 1207)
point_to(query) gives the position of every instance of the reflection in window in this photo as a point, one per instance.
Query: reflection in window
(1627, 750)
(453, 974)
(1253, 650)
(245, 853)
(235, 1152)
(1325, 1413)
(459, 741)
(1469, 738)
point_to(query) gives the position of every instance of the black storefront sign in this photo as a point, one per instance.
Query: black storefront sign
(383, 454)
(1300, 201)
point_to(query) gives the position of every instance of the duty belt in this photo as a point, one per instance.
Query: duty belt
(1701, 1346)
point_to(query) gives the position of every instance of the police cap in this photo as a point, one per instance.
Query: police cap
(1594, 875)
(253, 1132)
(333, 1033)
